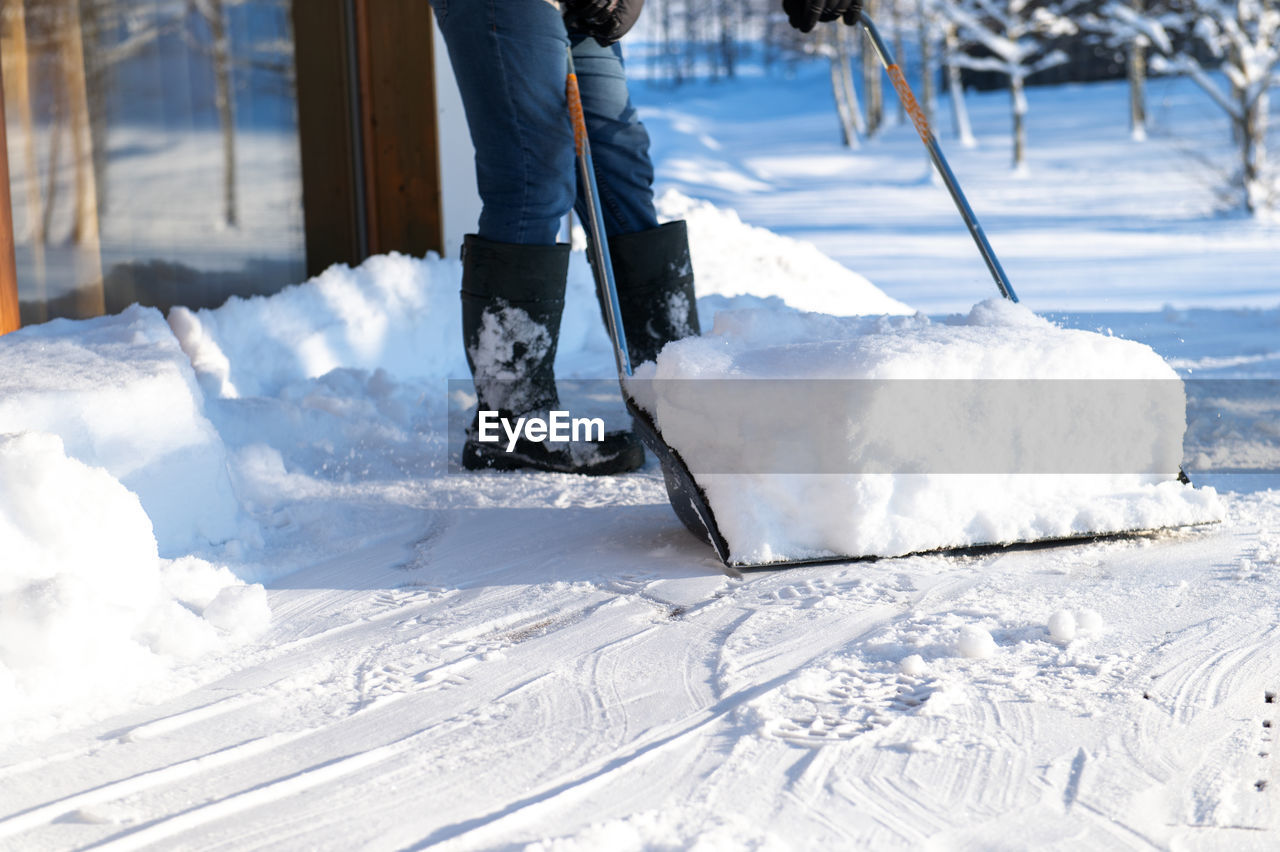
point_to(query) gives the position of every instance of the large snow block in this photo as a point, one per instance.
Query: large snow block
(816, 436)
(121, 395)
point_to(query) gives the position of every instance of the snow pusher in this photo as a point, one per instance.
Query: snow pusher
(1017, 441)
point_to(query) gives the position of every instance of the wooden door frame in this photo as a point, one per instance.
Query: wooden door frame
(9, 317)
(367, 125)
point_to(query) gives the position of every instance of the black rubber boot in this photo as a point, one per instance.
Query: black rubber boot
(512, 300)
(655, 288)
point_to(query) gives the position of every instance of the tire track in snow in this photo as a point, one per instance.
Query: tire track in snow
(1205, 742)
(264, 794)
(422, 680)
(660, 740)
(1200, 682)
(150, 730)
(47, 813)
(795, 648)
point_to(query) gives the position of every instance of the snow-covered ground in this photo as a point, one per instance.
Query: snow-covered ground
(245, 603)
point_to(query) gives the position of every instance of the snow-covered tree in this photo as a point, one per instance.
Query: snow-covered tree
(1244, 36)
(833, 42)
(1136, 72)
(1015, 38)
(937, 40)
(872, 76)
(928, 37)
(955, 87)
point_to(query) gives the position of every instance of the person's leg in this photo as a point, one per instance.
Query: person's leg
(509, 60)
(619, 141)
(651, 263)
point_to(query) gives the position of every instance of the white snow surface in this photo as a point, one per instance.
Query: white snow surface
(553, 662)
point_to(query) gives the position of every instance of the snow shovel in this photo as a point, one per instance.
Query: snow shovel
(687, 498)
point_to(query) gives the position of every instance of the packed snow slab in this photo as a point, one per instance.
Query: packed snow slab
(815, 436)
(121, 395)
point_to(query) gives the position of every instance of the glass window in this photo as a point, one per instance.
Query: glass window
(153, 152)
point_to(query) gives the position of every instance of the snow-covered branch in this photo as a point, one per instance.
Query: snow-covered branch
(1244, 36)
(1015, 38)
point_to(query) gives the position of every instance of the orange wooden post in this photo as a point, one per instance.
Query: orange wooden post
(9, 318)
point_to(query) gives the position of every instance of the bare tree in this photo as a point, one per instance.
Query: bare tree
(833, 43)
(1017, 39)
(955, 87)
(52, 31)
(214, 14)
(872, 84)
(1244, 36)
(1136, 72)
(17, 76)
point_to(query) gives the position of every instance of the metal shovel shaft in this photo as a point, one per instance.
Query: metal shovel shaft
(598, 244)
(921, 123)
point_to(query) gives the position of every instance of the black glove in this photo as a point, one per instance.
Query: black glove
(606, 21)
(803, 14)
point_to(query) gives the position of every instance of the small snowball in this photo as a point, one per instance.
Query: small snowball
(975, 643)
(912, 666)
(1062, 626)
(1089, 621)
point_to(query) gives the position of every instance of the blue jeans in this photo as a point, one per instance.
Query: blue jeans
(509, 60)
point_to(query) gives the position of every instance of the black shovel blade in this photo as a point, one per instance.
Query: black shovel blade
(692, 508)
(687, 498)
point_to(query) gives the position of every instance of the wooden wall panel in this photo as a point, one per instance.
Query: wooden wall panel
(367, 114)
(401, 150)
(327, 126)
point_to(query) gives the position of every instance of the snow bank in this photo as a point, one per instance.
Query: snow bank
(731, 258)
(121, 395)
(88, 609)
(843, 439)
(401, 314)
(393, 312)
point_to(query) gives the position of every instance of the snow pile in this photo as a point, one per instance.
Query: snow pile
(121, 395)
(392, 312)
(815, 436)
(401, 314)
(88, 609)
(731, 258)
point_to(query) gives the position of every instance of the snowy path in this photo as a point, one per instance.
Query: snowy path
(1098, 220)
(405, 698)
